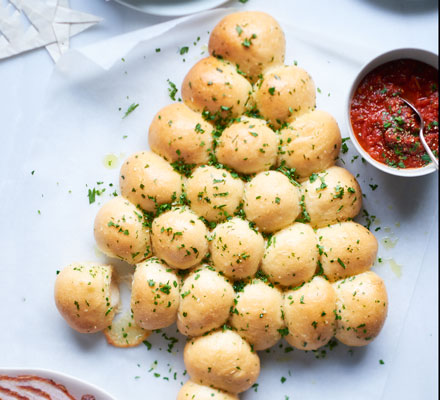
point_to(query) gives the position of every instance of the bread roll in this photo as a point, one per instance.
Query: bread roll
(248, 146)
(154, 295)
(251, 39)
(193, 391)
(309, 314)
(284, 93)
(206, 300)
(291, 256)
(178, 133)
(236, 249)
(331, 196)
(120, 232)
(347, 249)
(87, 295)
(215, 86)
(311, 143)
(179, 238)
(223, 360)
(361, 308)
(257, 315)
(214, 193)
(148, 181)
(271, 201)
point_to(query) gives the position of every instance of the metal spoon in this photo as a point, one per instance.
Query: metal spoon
(422, 137)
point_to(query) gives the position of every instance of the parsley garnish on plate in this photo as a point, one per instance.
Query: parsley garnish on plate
(130, 109)
(172, 90)
(92, 195)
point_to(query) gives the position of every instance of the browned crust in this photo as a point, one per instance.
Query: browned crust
(36, 391)
(27, 380)
(12, 394)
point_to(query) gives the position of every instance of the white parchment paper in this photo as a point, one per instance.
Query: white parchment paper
(50, 222)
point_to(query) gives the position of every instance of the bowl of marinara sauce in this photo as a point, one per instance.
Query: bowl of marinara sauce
(382, 127)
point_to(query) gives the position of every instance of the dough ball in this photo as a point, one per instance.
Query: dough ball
(331, 196)
(120, 231)
(222, 359)
(309, 314)
(214, 193)
(215, 86)
(206, 300)
(194, 391)
(179, 238)
(311, 143)
(291, 255)
(361, 308)
(271, 201)
(284, 93)
(178, 133)
(248, 146)
(346, 249)
(148, 181)
(236, 249)
(87, 295)
(251, 39)
(257, 315)
(154, 295)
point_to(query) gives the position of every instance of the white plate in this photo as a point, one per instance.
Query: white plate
(171, 7)
(76, 387)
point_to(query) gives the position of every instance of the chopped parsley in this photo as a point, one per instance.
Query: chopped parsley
(148, 344)
(426, 158)
(283, 332)
(130, 109)
(339, 192)
(289, 172)
(344, 147)
(199, 129)
(172, 90)
(182, 168)
(247, 42)
(304, 216)
(92, 193)
(313, 177)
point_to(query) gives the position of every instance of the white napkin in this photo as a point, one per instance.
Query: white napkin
(52, 23)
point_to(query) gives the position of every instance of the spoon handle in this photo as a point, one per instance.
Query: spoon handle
(421, 134)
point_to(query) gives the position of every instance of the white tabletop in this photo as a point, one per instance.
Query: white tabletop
(24, 78)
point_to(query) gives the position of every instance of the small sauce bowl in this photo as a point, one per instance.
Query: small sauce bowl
(407, 53)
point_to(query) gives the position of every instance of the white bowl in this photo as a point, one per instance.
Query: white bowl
(171, 8)
(415, 54)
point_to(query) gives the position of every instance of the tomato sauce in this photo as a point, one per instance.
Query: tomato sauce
(384, 125)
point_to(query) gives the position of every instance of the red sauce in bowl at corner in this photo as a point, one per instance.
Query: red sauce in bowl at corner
(384, 125)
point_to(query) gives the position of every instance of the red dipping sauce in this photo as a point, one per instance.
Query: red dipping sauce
(384, 125)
